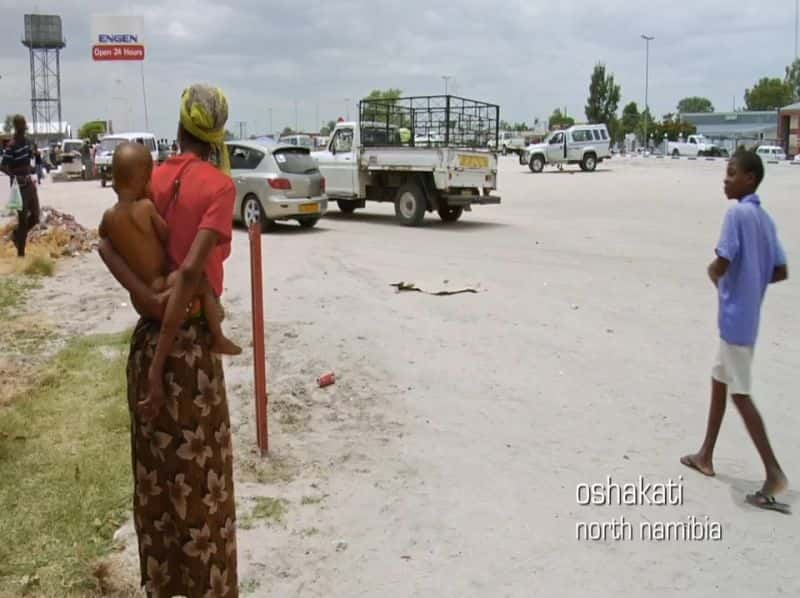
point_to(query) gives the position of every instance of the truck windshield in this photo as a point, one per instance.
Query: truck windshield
(110, 144)
(295, 161)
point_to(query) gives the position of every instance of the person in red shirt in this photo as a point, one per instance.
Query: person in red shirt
(184, 508)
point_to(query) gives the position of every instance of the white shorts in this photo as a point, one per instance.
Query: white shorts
(733, 366)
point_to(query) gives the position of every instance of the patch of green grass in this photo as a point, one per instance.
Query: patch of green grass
(13, 292)
(312, 500)
(272, 509)
(249, 585)
(39, 265)
(65, 469)
(273, 470)
(311, 531)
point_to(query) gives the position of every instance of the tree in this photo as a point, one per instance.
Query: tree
(646, 117)
(769, 94)
(287, 131)
(630, 118)
(560, 121)
(327, 129)
(793, 78)
(695, 104)
(390, 94)
(673, 129)
(229, 136)
(601, 107)
(8, 125)
(92, 130)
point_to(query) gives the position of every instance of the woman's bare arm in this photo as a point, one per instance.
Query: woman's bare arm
(147, 303)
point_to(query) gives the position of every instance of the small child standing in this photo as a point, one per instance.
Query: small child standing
(749, 258)
(138, 233)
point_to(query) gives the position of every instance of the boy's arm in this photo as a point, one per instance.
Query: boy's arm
(780, 273)
(159, 224)
(187, 279)
(102, 230)
(717, 269)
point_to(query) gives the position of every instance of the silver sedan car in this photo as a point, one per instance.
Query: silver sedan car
(276, 182)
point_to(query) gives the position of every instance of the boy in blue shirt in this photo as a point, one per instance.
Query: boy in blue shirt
(749, 258)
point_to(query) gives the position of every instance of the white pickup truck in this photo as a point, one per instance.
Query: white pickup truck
(367, 160)
(695, 145)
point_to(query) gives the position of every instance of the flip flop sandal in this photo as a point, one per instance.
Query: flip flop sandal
(764, 501)
(689, 462)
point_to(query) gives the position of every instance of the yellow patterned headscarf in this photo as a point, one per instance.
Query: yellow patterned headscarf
(204, 112)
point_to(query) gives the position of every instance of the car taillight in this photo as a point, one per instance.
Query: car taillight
(322, 185)
(283, 184)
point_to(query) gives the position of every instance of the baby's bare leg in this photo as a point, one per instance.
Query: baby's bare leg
(222, 344)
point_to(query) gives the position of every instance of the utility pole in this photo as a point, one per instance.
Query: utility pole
(647, 39)
(446, 79)
(271, 131)
(296, 125)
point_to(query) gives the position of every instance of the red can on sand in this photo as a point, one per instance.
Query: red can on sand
(326, 379)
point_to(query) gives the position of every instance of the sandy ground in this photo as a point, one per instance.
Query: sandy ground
(445, 460)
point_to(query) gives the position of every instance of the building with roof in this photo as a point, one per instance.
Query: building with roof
(789, 129)
(729, 130)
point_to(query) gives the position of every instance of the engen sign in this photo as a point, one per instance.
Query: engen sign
(117, 38)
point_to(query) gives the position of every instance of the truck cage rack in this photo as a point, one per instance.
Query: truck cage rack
(431, 121)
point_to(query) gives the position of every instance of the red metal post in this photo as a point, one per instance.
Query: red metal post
(259, 350)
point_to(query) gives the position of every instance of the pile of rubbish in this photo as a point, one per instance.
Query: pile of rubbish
(57, 233)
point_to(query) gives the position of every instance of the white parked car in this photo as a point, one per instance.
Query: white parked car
(584, 145)
(105, 151)
(276, 182)
(695, 145)
(771, 153)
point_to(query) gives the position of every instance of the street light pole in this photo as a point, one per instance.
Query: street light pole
(647, 39)
(446, 79)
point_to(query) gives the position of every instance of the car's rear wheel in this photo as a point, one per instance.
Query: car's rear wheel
(589, 162)
(308, 222)
(346, 206)
(253, 211)
(536, 164)
(410, 205)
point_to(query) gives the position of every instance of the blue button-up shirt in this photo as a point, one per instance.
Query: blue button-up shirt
(750, 242)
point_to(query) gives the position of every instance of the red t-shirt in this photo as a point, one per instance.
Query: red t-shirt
(205, 201)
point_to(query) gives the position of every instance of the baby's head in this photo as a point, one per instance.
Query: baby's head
(132, 167)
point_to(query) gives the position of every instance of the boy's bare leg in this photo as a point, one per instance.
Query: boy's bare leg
(703, 460)
(776, 480)
(222, 344)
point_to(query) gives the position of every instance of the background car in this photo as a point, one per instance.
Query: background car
(276, 182)
(771, 153)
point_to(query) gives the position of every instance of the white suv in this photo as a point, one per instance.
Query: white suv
(585, 145)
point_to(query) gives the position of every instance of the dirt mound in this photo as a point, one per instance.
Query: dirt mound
(57, 234)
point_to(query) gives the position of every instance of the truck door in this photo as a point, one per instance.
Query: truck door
(556, 147)
(340, 169)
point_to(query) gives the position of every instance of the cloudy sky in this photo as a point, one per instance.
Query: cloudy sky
(306, 58)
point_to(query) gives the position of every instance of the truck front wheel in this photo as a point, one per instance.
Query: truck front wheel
(536, 164)
(450, 213)
(676, 153)
(410, 205)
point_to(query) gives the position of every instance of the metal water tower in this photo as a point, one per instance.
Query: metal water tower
(45, 40)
